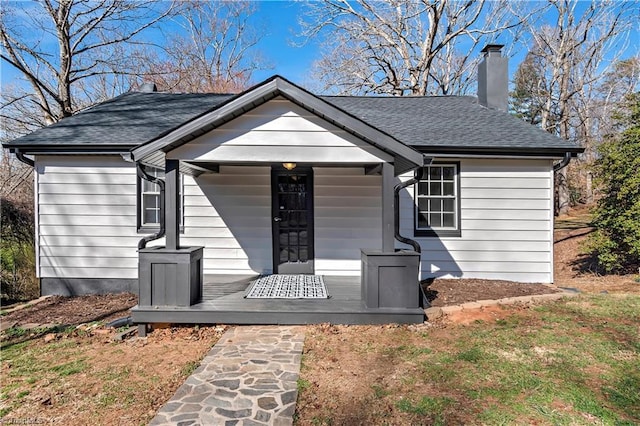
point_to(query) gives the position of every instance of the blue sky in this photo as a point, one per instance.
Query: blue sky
(280, 18)
(278, 45)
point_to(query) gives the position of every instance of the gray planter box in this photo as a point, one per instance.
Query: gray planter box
(390, 280)
(170, 277)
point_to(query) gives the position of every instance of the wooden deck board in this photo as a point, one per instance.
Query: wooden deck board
(223, 302)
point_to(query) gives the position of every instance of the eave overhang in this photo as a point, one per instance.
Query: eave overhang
(69, 149)
(543, 152)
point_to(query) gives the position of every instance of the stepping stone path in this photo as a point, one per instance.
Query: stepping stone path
(248, 378)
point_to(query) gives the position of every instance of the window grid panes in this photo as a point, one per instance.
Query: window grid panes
(437, 198)
(150, 199)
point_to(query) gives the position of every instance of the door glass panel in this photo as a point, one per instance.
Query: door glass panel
(303, 254)
(293, 238)
(285, 219)
(292, 209)
(284, 238)
(293, 254)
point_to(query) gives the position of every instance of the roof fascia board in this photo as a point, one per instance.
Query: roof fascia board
(496, 156)
(497, 152)
(71, 150)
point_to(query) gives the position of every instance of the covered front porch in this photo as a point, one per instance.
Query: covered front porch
(280, 182)
(223, 302)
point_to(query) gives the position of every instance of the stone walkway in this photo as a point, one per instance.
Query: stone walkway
(248, 378)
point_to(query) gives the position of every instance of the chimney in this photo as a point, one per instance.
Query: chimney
(493, 78)
(148, 87)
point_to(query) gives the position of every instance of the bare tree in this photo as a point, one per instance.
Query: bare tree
(86, 34)
(404, 47)
(215, 50)
(17, 257)
(569, 59)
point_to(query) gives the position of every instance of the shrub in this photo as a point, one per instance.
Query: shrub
(616, 240)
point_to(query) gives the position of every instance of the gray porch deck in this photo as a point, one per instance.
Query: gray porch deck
(223, 302)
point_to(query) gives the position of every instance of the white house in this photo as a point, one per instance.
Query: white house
(277, 180)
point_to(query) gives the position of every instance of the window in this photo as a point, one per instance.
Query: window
(437, 210)
(149, 201)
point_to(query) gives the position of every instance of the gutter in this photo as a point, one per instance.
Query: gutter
(144, 175)
(563, 163)
(396, 206)
(26, 160)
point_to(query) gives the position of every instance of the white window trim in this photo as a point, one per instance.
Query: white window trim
(151, 226)
(439, 231)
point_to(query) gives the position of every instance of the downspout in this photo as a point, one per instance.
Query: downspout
(28, 161)
(396, 207)
(563, 163)
(144, 175)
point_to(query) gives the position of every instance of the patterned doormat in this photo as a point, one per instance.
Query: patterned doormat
(288, 287)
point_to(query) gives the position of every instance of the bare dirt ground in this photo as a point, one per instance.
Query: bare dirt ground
(574, 269)
(83, 377)
(74, 310)
(456, 292)
(126, 382)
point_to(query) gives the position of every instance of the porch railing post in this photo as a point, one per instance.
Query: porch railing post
(388, 244)
(172, 204)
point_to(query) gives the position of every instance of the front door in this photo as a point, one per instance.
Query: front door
(292, 211)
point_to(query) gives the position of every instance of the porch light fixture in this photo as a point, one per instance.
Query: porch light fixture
(289, 166)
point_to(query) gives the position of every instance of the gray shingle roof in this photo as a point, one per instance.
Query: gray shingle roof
(127, 120)
(447, 121)
(430, 123)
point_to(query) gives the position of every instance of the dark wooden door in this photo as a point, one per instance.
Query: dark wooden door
(292, 210)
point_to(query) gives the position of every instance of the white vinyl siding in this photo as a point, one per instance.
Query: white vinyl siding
(348, 217)
(229, 213)
(86, 222)
(506, 223)
(279, 131)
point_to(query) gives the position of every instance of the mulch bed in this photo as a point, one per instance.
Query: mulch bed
(74, 310)
(83, 309)
(455, 292)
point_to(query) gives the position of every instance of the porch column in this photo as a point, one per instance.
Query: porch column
(172, 204)
(388, 244)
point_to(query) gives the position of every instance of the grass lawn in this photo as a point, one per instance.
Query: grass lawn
(571, 362)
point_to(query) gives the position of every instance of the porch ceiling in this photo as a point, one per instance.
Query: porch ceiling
(197, 168)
